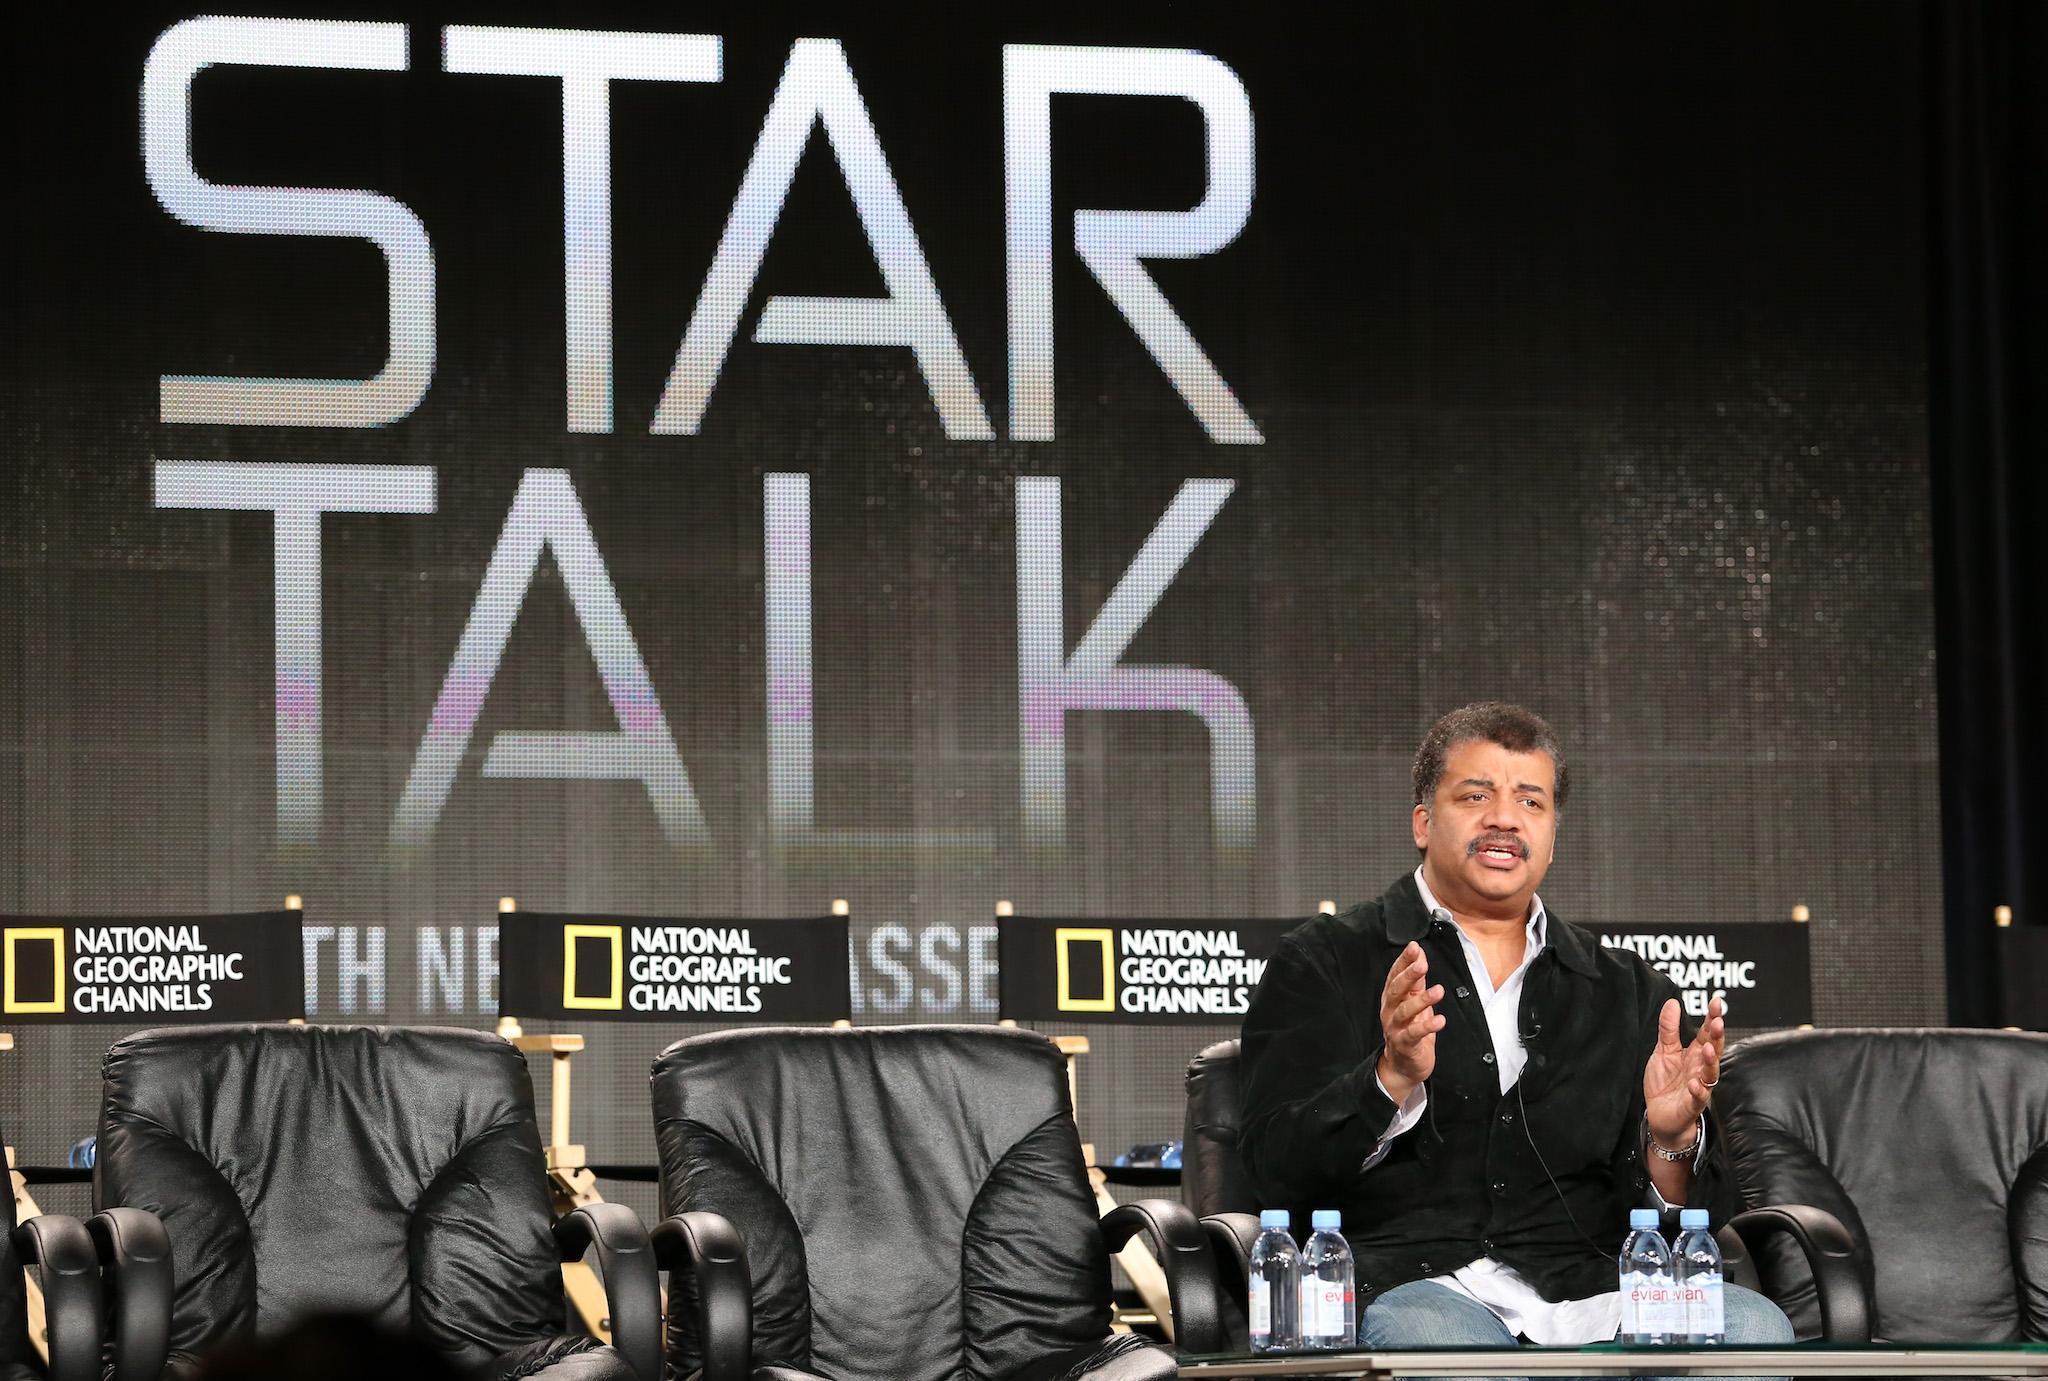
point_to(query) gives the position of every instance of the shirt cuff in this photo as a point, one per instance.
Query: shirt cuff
(1405, 1117)
(1657, 1201)
(1653, 1194)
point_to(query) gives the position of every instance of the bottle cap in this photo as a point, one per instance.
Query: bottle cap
(1326, 1218)
(1642, 1218)
(1273, 1218)
(1692, 1217)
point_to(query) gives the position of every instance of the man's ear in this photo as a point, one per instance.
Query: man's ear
(1419, 822)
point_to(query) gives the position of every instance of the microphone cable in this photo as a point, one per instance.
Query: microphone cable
(1555, 1188)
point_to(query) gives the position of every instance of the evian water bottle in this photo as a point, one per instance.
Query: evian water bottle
(1698, 1262)
(1328, 1318)
(1651, 1309)
(1275, 1285)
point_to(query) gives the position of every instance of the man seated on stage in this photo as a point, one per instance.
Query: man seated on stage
(1481, 1088)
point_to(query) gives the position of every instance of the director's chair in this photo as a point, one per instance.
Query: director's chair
(1143, 1270)
(572, 1180)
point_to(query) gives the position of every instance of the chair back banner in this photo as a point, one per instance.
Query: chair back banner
(1132, 972)
(1762, 970)
(141, 971)
(656, 969)
(2022, 962)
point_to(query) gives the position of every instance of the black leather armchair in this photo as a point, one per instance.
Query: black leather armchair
(896, 1204)
(1214, 1186)
(389, 1172)
(1931, 1149)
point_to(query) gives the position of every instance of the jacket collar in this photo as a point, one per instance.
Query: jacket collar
(1405, 919)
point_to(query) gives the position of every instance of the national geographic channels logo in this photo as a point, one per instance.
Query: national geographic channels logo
(645, 968)
(90, 970)
(1154, 970)
(1762, 971)
(667, 968)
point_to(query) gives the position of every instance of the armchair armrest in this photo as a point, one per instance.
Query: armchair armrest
(709, 1248)
(1846, 1310)
(1737, 1266)
(72, 1308)
(632, 1287)
(136, 1256)
(1232, 1236)
(1190, 1266)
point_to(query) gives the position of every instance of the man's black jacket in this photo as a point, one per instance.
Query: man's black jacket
(1475, 1177)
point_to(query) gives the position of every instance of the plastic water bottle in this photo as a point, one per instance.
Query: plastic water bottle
(1328, 1320)
(1699, 1279)
(1276, 1285)
(1651, 1311)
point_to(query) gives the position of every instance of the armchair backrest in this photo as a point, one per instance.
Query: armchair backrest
(1212, 1177)
(913, 1199)
(394, 1172)
(1931, 1146)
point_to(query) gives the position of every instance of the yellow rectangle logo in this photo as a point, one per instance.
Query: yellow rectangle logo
(1066, 939)
(54, 935)
(613, 999)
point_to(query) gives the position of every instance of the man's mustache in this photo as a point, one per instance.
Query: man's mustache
(1512, 843)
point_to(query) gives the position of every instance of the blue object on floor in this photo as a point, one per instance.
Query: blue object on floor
(1150, 1155)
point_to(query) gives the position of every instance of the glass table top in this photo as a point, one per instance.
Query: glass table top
(1613, 1359)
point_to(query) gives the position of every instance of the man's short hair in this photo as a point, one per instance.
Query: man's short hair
(1490, 721)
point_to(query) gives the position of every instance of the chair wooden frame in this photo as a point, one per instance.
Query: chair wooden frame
(25, 1208)
(1146, 1275)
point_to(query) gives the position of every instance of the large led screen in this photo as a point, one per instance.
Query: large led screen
(713, 461)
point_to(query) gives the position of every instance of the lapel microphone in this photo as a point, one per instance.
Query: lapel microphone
(1535, 988)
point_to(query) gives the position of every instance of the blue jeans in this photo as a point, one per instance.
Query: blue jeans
(1424, 1316)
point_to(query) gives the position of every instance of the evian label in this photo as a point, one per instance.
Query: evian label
(1323, 1305)
(1651, 1306)
(1702, 1303)
(1262, 1307)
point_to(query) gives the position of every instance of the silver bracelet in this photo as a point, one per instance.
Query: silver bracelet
(1688, 1153)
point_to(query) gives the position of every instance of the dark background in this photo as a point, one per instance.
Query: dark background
(1589, 346)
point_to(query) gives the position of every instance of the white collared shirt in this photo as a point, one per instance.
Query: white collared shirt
(1566, 1323)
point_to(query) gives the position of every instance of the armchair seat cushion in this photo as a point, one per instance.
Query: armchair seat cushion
(570, 1357)
(323, 1347)
(1118, 1357)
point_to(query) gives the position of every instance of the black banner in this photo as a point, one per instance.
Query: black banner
(1133, 972)
(650, 968)
(2022, 968)
(1763, 970)
(141, 971)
